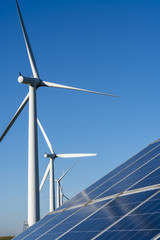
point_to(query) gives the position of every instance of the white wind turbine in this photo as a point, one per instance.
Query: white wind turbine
(50, 169)
(60, 193)
(33, 168)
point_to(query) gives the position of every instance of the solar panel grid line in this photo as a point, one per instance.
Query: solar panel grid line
(70, 216)
(126, 192)
(129, 172)
(128, 175)
(106, 204)
(123, 168)
(144, 234)
(98, 235)
(149, 222)
(39, 226)
(47, 233)
(92, 214)
(149, 174)
(130, 236)
(146, 229)
(124, 236)
(156, 237)
(39, 223)
(83, 205)
(143, 179)
(140, 190)
(89, 216)
(117, 182)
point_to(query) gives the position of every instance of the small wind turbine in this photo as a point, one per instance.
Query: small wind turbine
(33, 168)
(60, 193)
(50, 169)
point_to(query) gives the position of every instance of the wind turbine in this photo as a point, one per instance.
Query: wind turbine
(50, 169)
(33, 168)
(60, 193)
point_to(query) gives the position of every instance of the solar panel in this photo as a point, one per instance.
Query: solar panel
(143, 223)
(124, 204)
(116, 175)
(108, 215)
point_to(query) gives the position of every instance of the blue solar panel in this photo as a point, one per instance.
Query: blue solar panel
(143, 223)
(116, 175)
(109, 214)
(152, 179)
(91, 218)
(74, 215)
(120, 208)
(37, 226)
(135, 176)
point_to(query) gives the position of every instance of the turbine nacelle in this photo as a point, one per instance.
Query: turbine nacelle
(53, 156)
(29, 81)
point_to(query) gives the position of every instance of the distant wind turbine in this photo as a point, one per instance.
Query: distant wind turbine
(50, 169)
(60, 193)
(33, 168)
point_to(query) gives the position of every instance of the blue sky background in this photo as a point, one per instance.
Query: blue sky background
(110, 46)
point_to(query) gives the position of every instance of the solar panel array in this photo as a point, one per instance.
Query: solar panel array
(124, 204)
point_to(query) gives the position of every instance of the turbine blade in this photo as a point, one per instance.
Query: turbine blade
(44, 177)
(45, 137)
(55, 85)
(28, 46)
(61, 184)
(75, 155)
(23, 104)
(65, 197)
(64, 174)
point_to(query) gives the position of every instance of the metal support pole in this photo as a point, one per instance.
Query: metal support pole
(52, 188)
(61, 196)
(58, 195)
(33, 169)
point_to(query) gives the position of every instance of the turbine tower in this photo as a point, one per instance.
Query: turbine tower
(50, 169)
(33, 169)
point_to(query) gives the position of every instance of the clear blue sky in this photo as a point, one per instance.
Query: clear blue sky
(110, 46)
